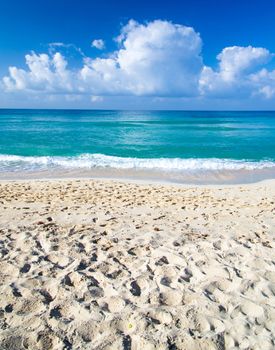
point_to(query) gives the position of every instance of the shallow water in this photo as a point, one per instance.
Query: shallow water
(172, 145)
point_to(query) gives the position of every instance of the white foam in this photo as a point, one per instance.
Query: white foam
(90, 161)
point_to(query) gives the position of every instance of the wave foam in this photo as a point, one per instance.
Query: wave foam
(90, 161)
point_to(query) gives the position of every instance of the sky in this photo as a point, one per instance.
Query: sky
(177, 54)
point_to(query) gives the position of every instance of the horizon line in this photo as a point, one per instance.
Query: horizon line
(137, 110)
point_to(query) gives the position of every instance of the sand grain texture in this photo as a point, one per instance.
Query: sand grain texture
(90, 264)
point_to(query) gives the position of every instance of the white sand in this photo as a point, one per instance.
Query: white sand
(90, 264)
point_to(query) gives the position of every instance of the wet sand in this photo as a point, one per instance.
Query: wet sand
(93, 264)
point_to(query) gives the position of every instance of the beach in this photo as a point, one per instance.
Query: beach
(101, 264)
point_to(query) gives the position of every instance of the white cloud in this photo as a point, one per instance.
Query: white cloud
(53, 47)
(161, 58)
(265, 80)
(233, 77)
(236, 60)
(98, 44)
(158, 59)
(45, 74)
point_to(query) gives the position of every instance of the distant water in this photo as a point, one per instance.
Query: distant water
(192, 147)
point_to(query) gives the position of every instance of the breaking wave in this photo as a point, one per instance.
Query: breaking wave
(15, 163)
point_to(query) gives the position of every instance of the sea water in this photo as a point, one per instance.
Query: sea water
(181, 146)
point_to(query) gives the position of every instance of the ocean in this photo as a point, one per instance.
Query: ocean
(174, 146)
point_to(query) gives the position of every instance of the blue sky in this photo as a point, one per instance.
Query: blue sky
(158, 62)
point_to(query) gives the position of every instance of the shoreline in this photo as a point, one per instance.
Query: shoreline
(137, 181)
(195, 171)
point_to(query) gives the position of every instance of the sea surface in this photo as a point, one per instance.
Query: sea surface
(175, 146)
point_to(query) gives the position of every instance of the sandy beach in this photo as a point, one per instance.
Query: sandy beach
(99, 264)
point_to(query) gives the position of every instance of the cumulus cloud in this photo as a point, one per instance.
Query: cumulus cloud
(159, 59)
(233, 77)
(46, 74)
(98, 44)
(265, 81)
(235, 60)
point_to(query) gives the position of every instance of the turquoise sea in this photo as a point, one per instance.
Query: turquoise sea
(192, 147)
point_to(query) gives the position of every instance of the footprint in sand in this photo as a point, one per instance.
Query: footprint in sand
(135, 289)
(171, 298)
